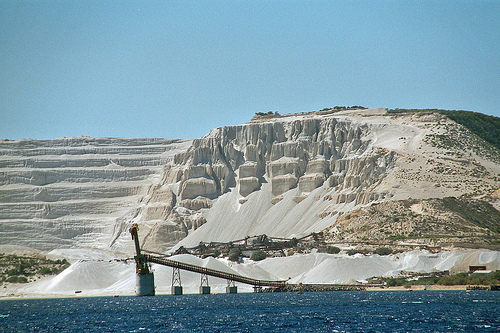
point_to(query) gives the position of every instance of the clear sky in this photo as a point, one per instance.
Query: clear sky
(176, 69)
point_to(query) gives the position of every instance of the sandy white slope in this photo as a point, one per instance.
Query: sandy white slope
(83, 193)
(109, 277)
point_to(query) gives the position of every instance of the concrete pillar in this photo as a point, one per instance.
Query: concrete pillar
(204, 290)
(231, 290)
(176, 290)
(145, 284)
(257, 289)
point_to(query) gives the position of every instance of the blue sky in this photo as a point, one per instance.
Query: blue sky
(176, 69)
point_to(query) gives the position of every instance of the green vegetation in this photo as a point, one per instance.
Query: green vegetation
(396, 237)
(447, 280)
(17, 269)
(383, 251)
(484, 126)
(352, 252)
(464, 278)
(466, 220)
(234, 254)
(293, 242)
(354, 107)
(392, 282)
(479, 212)
(268, 114)
(258, 255)
(332, 250)
(44, 271)
(17, 279)
(271, 114)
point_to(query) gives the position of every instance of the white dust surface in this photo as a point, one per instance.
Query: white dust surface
(105, 276)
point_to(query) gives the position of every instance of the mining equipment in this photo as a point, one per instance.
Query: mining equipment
(145, 280)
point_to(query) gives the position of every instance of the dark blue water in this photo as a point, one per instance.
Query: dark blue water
(418, 311)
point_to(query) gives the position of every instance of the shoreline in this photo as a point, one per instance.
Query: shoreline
(368, 289)
(420, 287)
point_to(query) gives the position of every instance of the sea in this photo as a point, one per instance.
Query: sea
(361, 311)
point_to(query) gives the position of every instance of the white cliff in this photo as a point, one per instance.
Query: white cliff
(293, 175)
(286, 176)
(69, 192)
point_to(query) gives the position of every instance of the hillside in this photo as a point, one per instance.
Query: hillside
(484, 126)
(326, 172)
(357, 178)
(290, 175)
(443, 221)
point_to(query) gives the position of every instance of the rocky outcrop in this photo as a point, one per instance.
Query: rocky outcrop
(355, 178)
(303, 153)
(248, 185)
(293, 175)
(300, 154)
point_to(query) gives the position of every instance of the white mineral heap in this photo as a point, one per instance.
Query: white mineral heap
(284, 177)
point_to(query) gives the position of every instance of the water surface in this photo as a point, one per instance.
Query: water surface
(395, 311)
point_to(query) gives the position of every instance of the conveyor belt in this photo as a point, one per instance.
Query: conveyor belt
(213, 272)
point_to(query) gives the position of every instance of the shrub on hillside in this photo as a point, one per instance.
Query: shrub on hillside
(394, 282)
(44, 271)
(258, 255)
(234, 254)
(332, 250)
(17, 279)
(383, 251)
(352, 252)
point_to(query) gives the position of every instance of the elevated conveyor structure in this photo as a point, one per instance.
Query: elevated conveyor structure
(212, 272)
(145, 277)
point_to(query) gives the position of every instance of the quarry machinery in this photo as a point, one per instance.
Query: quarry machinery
(145, 278)
(145, 284)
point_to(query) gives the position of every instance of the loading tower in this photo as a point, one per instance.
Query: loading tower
(145, 280)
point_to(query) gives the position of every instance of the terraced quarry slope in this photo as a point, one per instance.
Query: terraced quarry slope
(69, 192)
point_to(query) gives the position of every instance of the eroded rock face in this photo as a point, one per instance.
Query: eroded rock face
(282, 183)
(196, 187)
(303, 154)
(287, 154)
(309, 182)
(247, 185)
